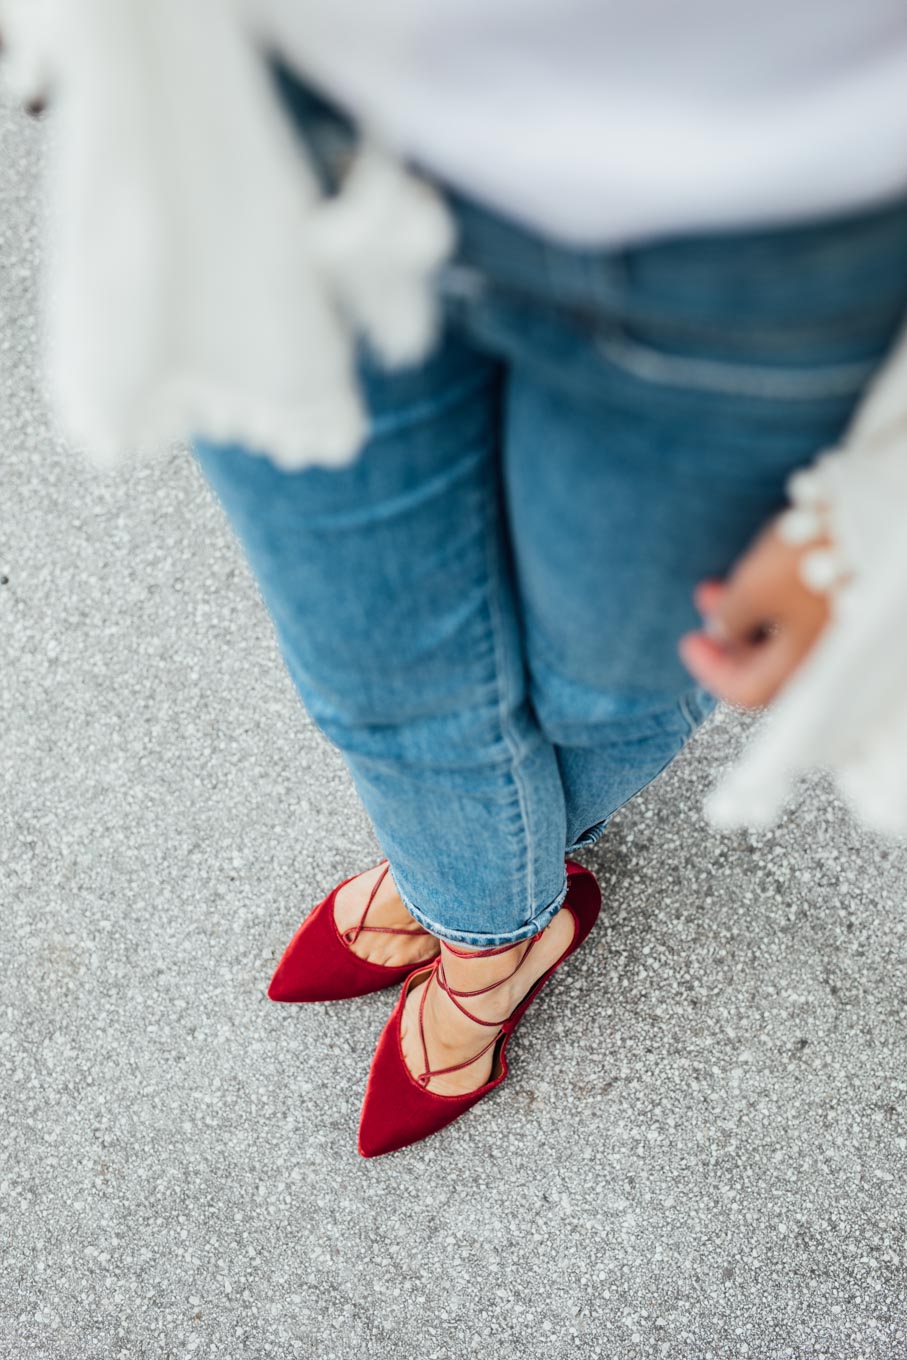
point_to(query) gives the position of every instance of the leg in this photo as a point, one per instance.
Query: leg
(605, 581)
(390, 589)
(636, 467)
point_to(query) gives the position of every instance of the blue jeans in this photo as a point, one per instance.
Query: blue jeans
(482, 610)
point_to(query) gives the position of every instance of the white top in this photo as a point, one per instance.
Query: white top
(612, 120)
(195, 280)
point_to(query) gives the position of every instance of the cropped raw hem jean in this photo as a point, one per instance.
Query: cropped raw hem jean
(482, 610)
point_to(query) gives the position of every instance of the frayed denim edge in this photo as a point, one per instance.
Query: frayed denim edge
(533, 927)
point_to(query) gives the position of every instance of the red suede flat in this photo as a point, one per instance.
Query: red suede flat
(319, 965)
(398, 1109)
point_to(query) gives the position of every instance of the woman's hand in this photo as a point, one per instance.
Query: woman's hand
(759, 624)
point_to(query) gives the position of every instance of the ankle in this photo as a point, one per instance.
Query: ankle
(482, 981)
(449, 1028)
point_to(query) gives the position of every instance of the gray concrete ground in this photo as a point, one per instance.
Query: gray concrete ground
(700, 1151)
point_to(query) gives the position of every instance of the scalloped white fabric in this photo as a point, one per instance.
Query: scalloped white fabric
(196, 280)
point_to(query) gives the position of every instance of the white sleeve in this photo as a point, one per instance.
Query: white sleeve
(195, 280)
(845, 709)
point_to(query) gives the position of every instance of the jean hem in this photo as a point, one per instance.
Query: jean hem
(589, 837)
(490, 939)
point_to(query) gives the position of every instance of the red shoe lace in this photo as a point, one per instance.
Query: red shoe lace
(437, 973)
(352, 935)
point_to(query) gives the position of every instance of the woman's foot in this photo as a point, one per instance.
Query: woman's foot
(451, 1036)
(392, 951)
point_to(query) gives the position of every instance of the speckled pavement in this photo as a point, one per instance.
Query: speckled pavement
(700, 1152)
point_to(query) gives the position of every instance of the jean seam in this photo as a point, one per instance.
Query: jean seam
(494, 559)
(393, 422)
(731, 379)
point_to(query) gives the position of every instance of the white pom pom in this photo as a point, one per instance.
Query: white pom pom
(822, 569)
(798, 526)
(804, 488)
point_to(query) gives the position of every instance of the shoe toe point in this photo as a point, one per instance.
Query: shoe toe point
(285, 988)
(378, 1142)
(276, 992)
(299, 994)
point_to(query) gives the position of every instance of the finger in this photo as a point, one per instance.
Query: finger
(708, 599)
(766, 586)
(747, 603)
(707, 594)
(757, 593)
(749, 679)
(721, 672)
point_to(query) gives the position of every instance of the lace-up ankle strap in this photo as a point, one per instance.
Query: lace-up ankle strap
(453, 993)
(437, 973)
(352, 935)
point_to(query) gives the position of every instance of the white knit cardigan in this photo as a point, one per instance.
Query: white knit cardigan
(196, 280)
